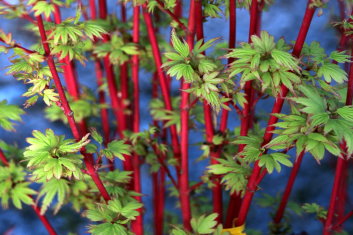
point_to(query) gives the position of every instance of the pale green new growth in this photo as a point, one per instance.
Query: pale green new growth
(9, 114)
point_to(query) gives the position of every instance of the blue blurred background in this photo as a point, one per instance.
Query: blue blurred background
(313, 183)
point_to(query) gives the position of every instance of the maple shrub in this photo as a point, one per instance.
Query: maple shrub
(196, 85)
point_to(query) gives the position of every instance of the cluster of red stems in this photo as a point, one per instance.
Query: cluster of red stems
(238, 206)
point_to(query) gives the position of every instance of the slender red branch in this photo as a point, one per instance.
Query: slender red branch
(184, 130)
(93, 9)
(340, 167)
(163, 80)
(137, 225)
(3, 158)
(246, 117)
(101, 96)
(70, 74)
(231, 45)
(101, 93)
(19, 46)
(234, 202)
(68, 112)
(124, 80)
(173, 16)
(112, 87)
(251, 187)
(214, 155)
(343, 220)
(159, 178)
(160, 158)
(44, 220)
(285, 197)
(24, 15)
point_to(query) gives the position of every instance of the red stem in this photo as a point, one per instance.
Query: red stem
(113, 91)
(173, 16)
(234, 202)
(19, 46)
(44, 220)
(124, 80)
(231, 45)
(293, 175)
(163, 81)
(70, 74)
(3, 158)
(217, 188)
(160, 158)
(246, 117)
(343, 220)
(159, 182)
(93, 9)
(251, 187)
(67, 111)
(24, 16)
(101, 96)
(137, 225)
(184, 131)
(340, 167)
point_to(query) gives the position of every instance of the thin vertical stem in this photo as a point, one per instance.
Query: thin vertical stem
(68, 112)
(112, 87)
(3, 158)
(234, 202)
(163, 80)
(277, 107)
(137, 225)
(293, 175)
(44, 220)
(217, 188)
(246, 118)
(70, 74)
(340, 167)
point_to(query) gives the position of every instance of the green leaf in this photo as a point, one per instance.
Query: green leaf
(118, 148)
(285, 59)
(55, 188)
(43, 7)
(8, 114)
(314, 103)
(181, 47)
(346, 113)
(204, 224)
(108, 228)
(332, 71)
(50, 96)
(340, 56)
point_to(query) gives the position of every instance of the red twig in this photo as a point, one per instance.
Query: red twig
(19, 46)
(137, 225)
(173, 16)
(44, 220)
(217, 188)
(24, 15)
(113, 91)
(246, 117)
(309, 13)
(67, 111)
(340, 167)
(3, 158)
(184, 132)
(343, 220)
(163, 81)
(294, 172)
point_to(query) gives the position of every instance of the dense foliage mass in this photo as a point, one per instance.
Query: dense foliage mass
(196, 85)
